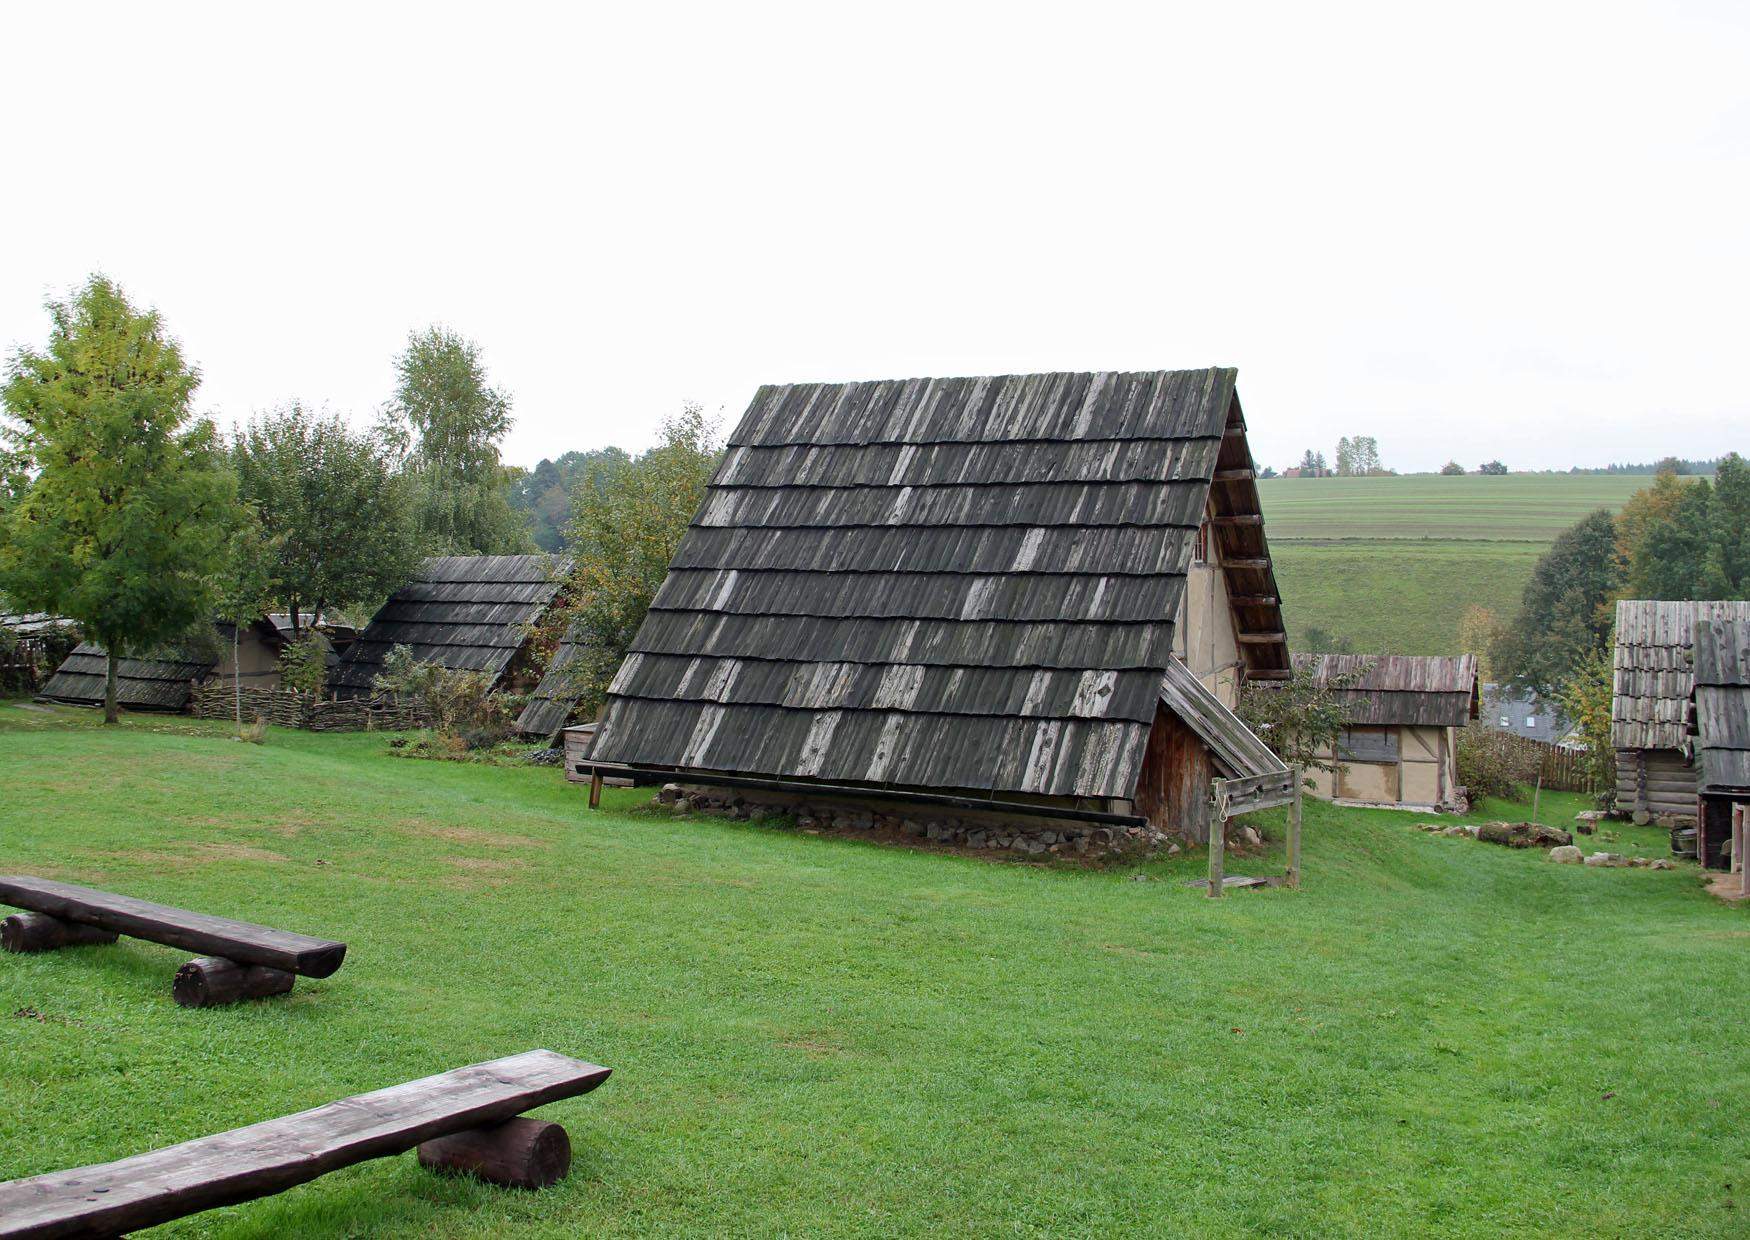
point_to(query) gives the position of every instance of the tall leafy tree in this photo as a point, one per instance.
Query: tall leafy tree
(119, 507)
(447, 421)
(623, 537)
(338, 517)
(1567, 610)
(1692, 541)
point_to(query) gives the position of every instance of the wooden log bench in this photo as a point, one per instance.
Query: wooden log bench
(463, 1121)
(239, 960)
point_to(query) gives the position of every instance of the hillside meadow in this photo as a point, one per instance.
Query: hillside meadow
(816, 1036)
(1392, 563)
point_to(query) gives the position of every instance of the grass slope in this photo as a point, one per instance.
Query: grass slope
(814, 1036)
(1392, 563)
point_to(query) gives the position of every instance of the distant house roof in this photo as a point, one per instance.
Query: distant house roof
(946, 583)
(158, 683)
(464, 612)
(1417, 690)
(34, 623)
(1652, 674)
(1518, 711)
(550, 705)
(1722, 704)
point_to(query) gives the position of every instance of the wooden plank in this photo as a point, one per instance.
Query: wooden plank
(1237, 518)
(1294, 832)
(1253, 600)
(1234, 475)
(241, 941)
(1247, 562)
(108, 1199)
(1261, 638)
(1217, 846)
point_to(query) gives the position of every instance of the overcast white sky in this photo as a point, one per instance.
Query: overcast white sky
(1477, 230)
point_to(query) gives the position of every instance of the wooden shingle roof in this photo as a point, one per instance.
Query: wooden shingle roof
(463, 612)
(1653, 673)
(1404, 689)
(939, 583)
(163, 682)
(549, 707)
(1721, 722)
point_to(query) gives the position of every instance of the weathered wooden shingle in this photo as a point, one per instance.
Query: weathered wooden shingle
(932, 583)
(1653, 673)
(1722, 705)
(1408, 690)
(464, 612)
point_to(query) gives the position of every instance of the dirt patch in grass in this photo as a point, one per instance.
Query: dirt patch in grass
(815, 1045)
(475, 872)
(1727, 887)
(191, 856)
(466, 835)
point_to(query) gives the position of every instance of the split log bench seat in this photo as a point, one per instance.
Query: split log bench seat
(240, 960)
(461, 1121)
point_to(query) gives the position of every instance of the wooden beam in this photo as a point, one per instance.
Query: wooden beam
(1293, 874)
(132, 1194)
(519, 1153)
(1234, 475)
(1269, 673)
(1238, 518)
(1263, 638)
(38, 932)
(1253, 600)
(1247, 562)
(210, 981)
(1218, 849)
(196, 932)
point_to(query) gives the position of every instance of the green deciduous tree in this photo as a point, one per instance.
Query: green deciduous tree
(447, 423)
(1691, 540)
(1491, 467)
(1452, 468)
(119, 508)
(623, 538)
(1302, 718)
(1567, 610)
(338, 517)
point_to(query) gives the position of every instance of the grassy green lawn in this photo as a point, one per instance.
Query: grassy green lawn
(1392, 563)
(819, 1036)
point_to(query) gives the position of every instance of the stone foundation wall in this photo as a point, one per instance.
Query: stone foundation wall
(1041, 838)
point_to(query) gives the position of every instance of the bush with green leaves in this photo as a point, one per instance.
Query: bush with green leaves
(1491, 766)
(461, 705)
(304, 664)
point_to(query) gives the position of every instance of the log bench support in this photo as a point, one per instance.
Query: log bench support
(213, 981)
(519, 1153)
(38, 932)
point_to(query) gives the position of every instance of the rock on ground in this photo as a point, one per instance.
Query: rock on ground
(1565, 854)
(1523, 835)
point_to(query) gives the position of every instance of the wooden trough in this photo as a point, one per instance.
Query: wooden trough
(240, 960)
(462, 1121)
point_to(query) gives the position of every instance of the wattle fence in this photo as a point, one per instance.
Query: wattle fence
(289, 709)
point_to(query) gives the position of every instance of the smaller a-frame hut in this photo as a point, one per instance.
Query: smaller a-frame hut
(465, 612)
(1402, 741)
(1652, 683)
(166, 679)
(1720, 728)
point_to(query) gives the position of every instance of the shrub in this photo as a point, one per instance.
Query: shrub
(1489, 766)
(462, 707)
(304, 664)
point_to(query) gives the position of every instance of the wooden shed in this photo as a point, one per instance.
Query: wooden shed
(969, 594)
(1719, 727)
(553, 701)
(1401, 745)
(1653, 682)
(465, 612)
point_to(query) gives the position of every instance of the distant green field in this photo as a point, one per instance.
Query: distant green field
(1392, 563)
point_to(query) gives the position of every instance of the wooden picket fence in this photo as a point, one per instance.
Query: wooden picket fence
(1563, 767)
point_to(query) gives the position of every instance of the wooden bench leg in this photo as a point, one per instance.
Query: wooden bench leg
(210, 981)
(38, 932)
(519, 1153)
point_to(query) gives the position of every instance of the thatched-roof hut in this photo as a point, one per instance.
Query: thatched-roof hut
(963, 592)
(1653, 681)
(1402, 741)
(464, 612)
(1720, 731)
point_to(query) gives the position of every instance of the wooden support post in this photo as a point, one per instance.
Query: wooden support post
(1218, 848)
(212, 981)
(38, 932)
(519, 1153)
(595, 789)
(1294, 832)
(1741, 837)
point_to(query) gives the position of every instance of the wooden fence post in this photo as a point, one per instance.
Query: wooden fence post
(1218, 847)
(595, 790)
(1740, 833)
(1294, 831)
